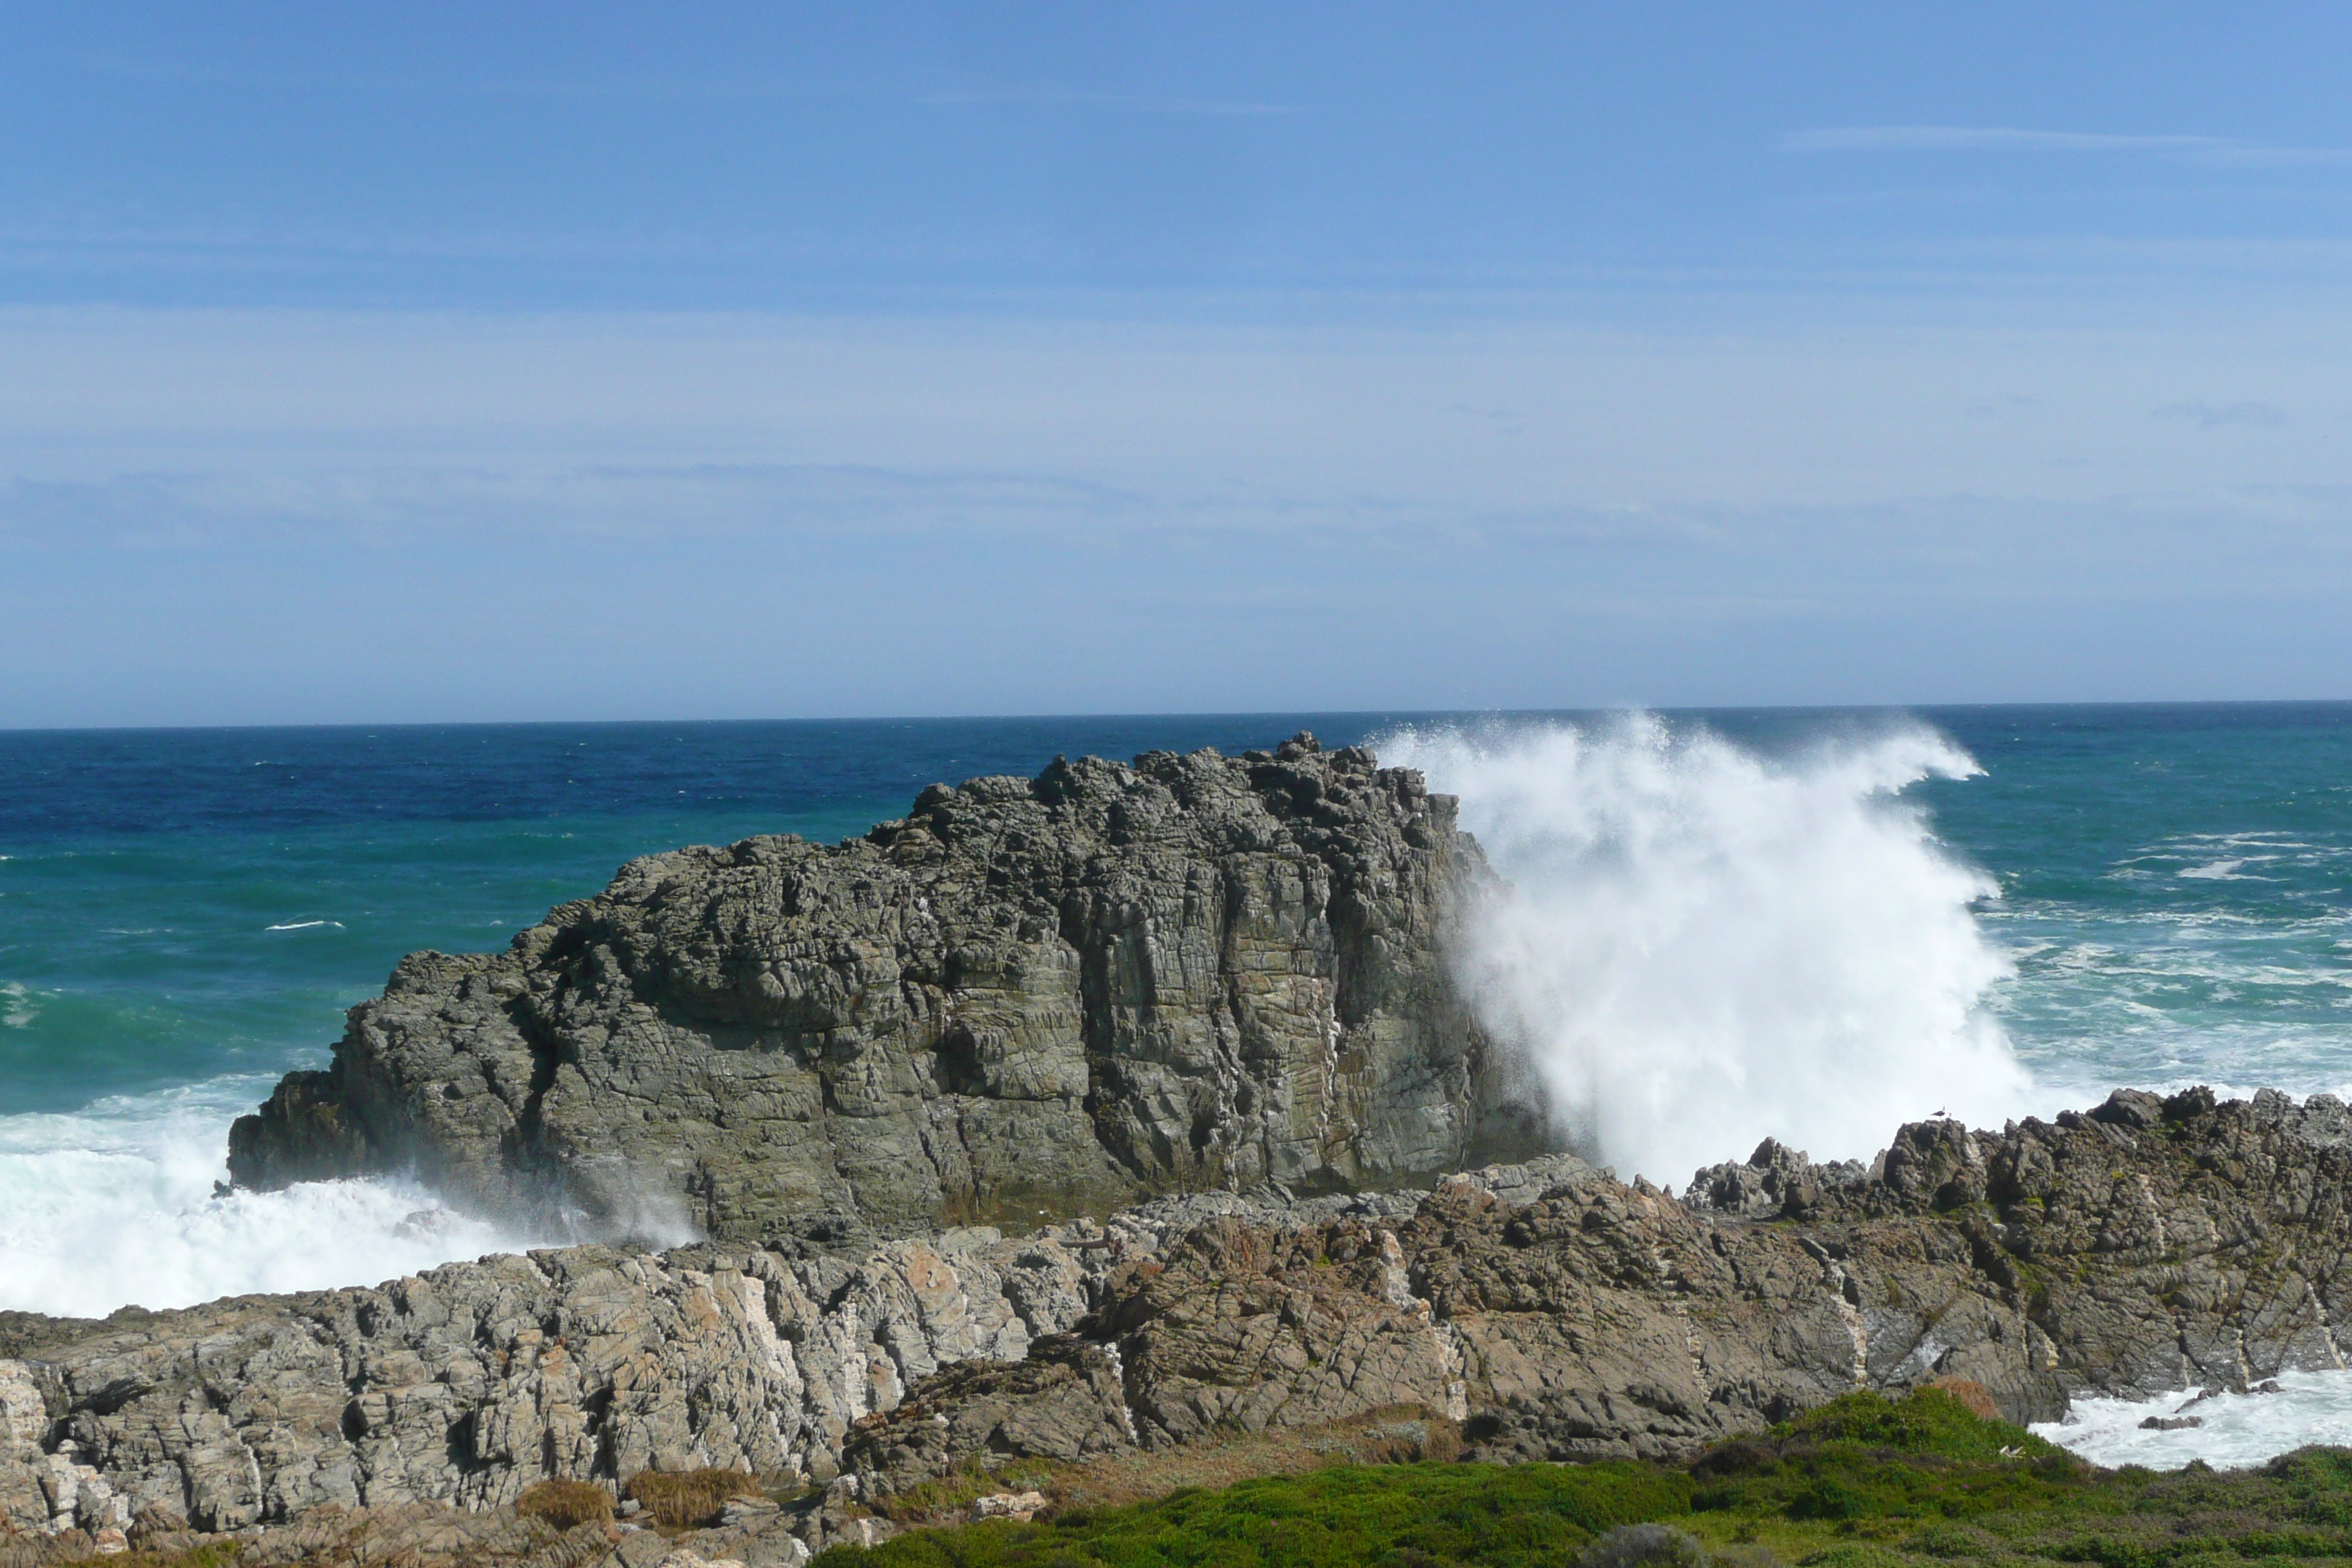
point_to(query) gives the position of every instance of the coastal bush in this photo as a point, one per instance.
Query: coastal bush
(688, 1499)
(1645, 1546)
(1863, 1482)
(1930, 1421)
(565, 1504)
(1867, 1457)
(1401, 1516)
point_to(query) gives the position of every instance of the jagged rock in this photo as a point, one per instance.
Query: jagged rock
(1518, 1185)
(1020, 1507)
(465, 1384)
(1048, 995)
(1775, 1181)
(2098, 1254)
(1601, 1320)
(1066, 1402)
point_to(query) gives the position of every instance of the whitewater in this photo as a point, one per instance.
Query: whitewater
(1698, 947)
(1707, 929)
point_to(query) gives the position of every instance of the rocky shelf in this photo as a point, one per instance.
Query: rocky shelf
(1546, 1308)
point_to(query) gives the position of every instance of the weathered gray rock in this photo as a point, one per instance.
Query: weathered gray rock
(466, 1384)
(1548, 1310)
(1066, 1402)
(1032, 996)
(2146, 1247)
(1774, 1181)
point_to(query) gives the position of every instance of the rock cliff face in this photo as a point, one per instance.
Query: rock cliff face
(1037, 996)
(466, 1384)
(1548, 1310)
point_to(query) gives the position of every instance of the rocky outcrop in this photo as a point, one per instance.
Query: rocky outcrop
(2148, 1247)
(1548, 1308)
(467, 1383)
(1030, 997)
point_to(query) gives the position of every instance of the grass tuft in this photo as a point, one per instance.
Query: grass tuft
(565, 1504)
(688, 1499)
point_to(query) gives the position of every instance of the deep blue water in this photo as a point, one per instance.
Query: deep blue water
(184, 914)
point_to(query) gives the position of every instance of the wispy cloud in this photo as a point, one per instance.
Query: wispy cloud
(1046, 95)
(2211, 416)
(649, 85)
(616, 85)
(2212, 150)
(1939, 137)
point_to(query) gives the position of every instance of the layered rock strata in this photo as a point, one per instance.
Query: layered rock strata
(1548, 1308)
(1052, 996)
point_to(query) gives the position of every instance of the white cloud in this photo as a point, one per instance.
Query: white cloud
(1046, 96)
(1939, 138)
(2211, 151)
(228, 516)
(2210, 417)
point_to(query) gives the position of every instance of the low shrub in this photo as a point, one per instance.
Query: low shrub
(565, 1504)
(1853, 1556)
(1645, 1546)
(1930, 1421)
(1343, 1516)
(1863, 1482)
(688, 1499)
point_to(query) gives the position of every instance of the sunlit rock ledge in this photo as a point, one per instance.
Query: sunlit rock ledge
(1545, 1308)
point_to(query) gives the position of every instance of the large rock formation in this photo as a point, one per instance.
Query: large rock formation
(1050, 995)
(1550, 1309)
(466, 1382)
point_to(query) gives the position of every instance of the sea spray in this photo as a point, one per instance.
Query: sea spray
(1698, 946)
(2225, 1429)
(114, 1204)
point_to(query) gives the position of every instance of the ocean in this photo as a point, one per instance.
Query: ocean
(1813, 924)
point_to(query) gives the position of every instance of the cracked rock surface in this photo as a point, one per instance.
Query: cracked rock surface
(1029, 997)
(1548, 1308)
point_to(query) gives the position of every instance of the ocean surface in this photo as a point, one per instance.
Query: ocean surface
(1810, 924)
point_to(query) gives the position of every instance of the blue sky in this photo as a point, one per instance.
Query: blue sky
(520, 361)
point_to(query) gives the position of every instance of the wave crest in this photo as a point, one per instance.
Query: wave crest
(1699, 946)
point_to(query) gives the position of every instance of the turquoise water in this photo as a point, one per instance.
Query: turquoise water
(183, 915)
(2177, 889)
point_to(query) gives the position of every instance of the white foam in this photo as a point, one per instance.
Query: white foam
(305, 925)
(2225, 870)
(113, 1205)
(1700, 947)
(17, 1009)
(2235, 1430)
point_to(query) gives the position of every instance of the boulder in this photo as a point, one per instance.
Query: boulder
(1029, 997)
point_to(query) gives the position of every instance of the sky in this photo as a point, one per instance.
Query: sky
(442, 362)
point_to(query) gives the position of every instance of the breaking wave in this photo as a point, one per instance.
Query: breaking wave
(1699, 946)
(114, 1204)
(2230, 1429)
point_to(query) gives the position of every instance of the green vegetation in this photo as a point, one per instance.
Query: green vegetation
(1863, 1482)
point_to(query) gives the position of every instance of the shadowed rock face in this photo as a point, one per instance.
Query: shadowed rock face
(1030, 997)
